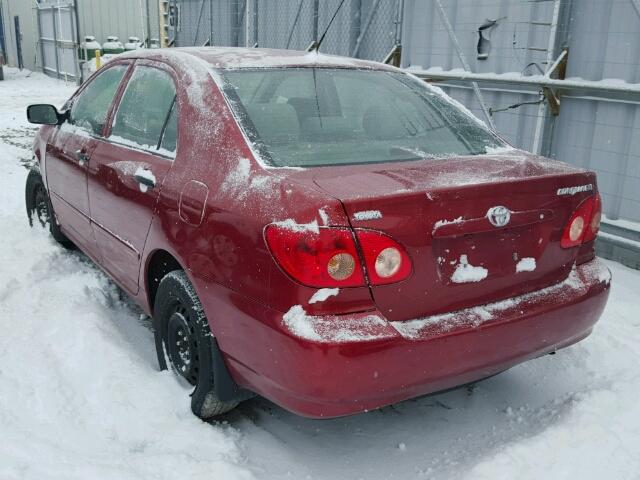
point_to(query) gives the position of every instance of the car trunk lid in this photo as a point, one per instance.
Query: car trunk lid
(438, 210)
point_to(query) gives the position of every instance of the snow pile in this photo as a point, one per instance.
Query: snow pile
(324, 216)
(466, 273)
(290, 224)
(336, 329)
(232, 58)
(92, 66)
(440, 223)
(476, 316)
(147, 175)
(324, 293)
(504, 150)
(527, 264)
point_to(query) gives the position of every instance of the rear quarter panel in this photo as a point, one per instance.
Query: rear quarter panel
(225, 255)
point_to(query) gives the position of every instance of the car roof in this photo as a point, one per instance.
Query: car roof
(232, 58)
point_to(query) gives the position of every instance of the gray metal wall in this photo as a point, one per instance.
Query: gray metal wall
(604, 135)
(603, 38)
(123, 18)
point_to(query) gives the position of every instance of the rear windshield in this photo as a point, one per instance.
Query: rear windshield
(320, 116)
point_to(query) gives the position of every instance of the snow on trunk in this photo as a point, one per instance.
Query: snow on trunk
(466, 273)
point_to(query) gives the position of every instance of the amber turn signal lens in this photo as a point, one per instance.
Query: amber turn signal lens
(341, 266)
(576, 229)
(388, 262)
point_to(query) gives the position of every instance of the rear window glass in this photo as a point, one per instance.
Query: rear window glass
(322, 116)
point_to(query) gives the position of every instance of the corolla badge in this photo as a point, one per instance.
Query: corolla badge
(499, 216)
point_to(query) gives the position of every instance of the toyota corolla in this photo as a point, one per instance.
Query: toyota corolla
(332, 234)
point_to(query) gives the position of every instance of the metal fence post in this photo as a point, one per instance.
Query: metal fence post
(40, 43)
(356, 20)
(463, 60)
(148, 12)
(399, 19)
(79, 73)
(295, 23)
(55, 40)
(210, 23)
(557, 39)
(235, 27)
(372, 13)
(255, 22)
(542, 108)
(316, 7)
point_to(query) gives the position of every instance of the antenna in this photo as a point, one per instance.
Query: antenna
(316, 47)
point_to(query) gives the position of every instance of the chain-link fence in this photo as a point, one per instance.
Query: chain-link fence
(362, 28)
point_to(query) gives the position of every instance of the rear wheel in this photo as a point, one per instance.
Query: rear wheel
(39, 208)
(184, 341)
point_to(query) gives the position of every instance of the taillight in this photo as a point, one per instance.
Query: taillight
(584, 224)
(326, 257)
(594, 225)
(386, 260)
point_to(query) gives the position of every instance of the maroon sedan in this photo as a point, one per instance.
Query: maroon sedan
(332, 234)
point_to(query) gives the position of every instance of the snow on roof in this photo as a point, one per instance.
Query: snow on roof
(231, 58)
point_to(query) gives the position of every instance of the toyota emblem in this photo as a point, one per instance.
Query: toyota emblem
(499, 216)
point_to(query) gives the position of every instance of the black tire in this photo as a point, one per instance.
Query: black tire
(184, 340)
(39, 208)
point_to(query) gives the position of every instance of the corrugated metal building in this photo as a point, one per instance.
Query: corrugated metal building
(48, 28)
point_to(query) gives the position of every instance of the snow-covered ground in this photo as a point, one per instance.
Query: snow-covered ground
(81, 396)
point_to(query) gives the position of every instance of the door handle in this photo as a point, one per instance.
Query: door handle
(83, 157)
(145, 177)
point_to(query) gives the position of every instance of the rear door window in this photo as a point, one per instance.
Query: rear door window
(146, 110)
(89, 110)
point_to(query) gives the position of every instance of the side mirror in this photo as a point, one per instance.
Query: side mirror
(43, 114)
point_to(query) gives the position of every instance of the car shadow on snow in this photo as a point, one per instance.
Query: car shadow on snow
(432, 435)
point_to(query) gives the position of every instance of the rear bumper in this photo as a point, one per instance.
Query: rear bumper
(332, 366)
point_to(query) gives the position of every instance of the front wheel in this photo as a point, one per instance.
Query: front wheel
(184, 340)
(39, 208)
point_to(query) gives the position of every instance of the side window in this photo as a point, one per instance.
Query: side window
(170, 134)
(89, 110)
(144, 108)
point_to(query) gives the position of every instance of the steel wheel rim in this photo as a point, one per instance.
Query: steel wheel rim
(182, 345)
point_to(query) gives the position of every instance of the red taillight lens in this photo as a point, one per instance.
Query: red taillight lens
(328, 257)
(385, 259)
(594, 225)
(584, 223)
(323, 258)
